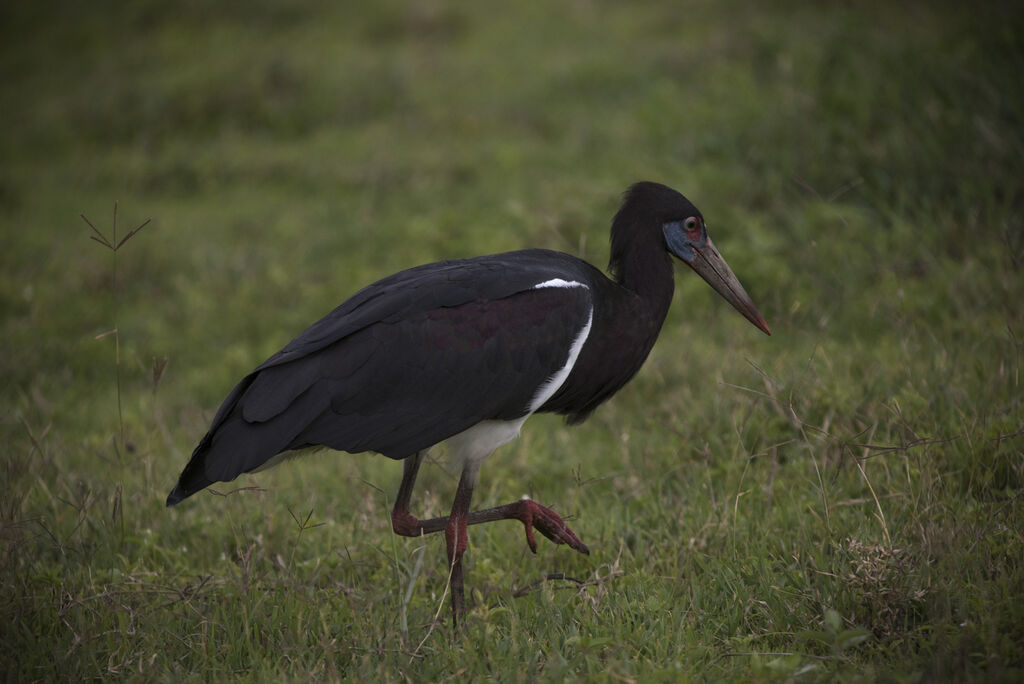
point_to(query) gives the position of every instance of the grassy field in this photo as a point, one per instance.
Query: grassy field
(841, 501)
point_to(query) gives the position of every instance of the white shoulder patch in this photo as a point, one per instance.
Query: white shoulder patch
(558, 282)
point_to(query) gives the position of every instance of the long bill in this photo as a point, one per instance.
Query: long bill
(710, 266)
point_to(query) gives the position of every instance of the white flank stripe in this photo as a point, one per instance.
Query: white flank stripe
(545, 391)
(470, 447)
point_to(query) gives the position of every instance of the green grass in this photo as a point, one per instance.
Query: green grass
(839, 501)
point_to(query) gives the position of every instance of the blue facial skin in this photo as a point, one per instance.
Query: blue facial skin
(680, 243)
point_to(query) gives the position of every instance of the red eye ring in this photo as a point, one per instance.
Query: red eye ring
(692, 225)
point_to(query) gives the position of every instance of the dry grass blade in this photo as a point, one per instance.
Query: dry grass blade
(131, 234)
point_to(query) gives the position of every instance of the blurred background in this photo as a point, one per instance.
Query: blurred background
(860, 166)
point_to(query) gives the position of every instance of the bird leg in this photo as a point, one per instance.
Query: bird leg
(456, 537)
(529, 512)
(402, 521)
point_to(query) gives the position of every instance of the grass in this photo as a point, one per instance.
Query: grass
(841, 501)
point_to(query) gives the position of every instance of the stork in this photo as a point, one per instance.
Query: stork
(462, 352)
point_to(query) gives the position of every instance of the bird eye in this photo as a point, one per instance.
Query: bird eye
(692, 224)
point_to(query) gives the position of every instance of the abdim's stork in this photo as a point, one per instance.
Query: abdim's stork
(464, 352)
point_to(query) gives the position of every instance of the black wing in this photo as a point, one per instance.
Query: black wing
(404, 364)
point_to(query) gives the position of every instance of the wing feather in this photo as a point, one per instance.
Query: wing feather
(403, 364)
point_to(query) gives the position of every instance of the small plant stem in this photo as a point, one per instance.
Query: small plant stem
(117, 337)
(113, 244)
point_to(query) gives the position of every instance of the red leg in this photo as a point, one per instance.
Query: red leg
(533, 516)
(454, 525)
(457, 537)
(529, 512)
(402, 521)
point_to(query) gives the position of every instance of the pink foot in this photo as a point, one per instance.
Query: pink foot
(547, 522)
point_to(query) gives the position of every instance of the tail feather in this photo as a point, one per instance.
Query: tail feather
(193, 478)
(234, 445)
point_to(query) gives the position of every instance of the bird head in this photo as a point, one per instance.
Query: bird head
(686, 238)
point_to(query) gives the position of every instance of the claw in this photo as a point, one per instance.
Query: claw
(530, 541)
(548, 523)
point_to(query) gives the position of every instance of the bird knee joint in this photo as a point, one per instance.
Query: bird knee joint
(405, 524)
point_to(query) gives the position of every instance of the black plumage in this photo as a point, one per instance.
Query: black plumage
(467, 347)
(404, 364)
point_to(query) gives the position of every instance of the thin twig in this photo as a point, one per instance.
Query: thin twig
(889, 448)
(550, 577)
(991, 520)
(1000, 438)
(774, 654)
(235, 491)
